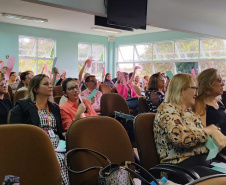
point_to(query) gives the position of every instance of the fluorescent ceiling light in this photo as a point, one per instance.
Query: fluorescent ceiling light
(105, 30)
(21, 17)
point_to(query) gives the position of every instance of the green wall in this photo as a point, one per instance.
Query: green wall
(66, 44)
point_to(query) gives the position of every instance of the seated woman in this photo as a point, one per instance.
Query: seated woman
(208, 104)
(107, 80)
(155, 91)
(73, 108)
(126, 90)
(12, 82)
(179, 134)
(39, 110)
(5, 104)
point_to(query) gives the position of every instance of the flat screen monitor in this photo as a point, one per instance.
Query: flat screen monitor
(128, 13)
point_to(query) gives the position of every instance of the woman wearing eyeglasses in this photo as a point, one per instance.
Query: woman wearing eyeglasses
(39, 110)
(155, 91)
(73, 108)
(208, 104)
(5, 104)
(178, 132)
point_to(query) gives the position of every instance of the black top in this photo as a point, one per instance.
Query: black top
(26, 112)
(216, 117)
(153, 100)
(5, 106)
(114, 80)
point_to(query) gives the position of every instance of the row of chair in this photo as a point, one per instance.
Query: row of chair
(27, 152)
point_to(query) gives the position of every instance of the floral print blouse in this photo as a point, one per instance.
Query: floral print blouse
(178, 134)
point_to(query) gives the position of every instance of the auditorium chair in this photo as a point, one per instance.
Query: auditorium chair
(105, 88)
(27, 152)
(103, 134)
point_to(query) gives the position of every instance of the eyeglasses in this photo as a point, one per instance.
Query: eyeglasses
(29, 78)
(220, 80)
(73, 88)
(94, 81)
(194, 88)
(4, 84)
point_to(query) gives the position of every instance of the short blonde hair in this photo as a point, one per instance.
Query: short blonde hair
(178, 83)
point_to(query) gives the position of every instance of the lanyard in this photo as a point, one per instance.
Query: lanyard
(47, 117)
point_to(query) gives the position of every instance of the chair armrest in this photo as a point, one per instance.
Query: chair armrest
(189, 171)
(206, 178)
(182, 176)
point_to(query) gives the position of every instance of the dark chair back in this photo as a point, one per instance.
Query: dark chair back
(57, 99)
(10, 92)
(224, 98)
(58, 91)
(19, 95)
(142, 104)
(113, 90)
(137, 90)
(143, 128)
(111, 102)
(27, 152)
(102, 134)
(105, 88)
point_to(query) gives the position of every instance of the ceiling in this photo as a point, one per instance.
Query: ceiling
(59, 19)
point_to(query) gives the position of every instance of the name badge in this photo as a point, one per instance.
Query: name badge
(51, 133)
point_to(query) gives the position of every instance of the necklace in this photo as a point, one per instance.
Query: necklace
(47, 117)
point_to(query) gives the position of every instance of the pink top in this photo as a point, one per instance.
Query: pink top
(96, 104)
(68, 111)
(122, 90)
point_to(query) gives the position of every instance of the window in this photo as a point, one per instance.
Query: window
(34, 53)
(182, 56)
(98, 56)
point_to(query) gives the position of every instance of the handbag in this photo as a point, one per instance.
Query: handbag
(113, 174)
(127, 122)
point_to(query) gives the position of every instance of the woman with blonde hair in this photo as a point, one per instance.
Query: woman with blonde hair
(179, 134)
(39, 110)
(208, 104)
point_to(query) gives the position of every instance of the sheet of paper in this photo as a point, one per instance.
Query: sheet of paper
(46, 68)
(213, 149)
(221, 165)
(223, 170)
(61, 146)
(64, 71)
(54, 64)
(50, 75)
(104, 71)
(90, 62)
(193, 72)
(169, 74)
(10, 65)
(94, 92)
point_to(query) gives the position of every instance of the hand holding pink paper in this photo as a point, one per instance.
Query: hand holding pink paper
(10, 66)
(103, 71)
(64, 71)
(90, 62)
(193, 72)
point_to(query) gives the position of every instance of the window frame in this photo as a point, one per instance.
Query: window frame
(36, 58)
